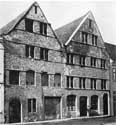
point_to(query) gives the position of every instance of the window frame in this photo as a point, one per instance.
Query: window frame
(114, 74)
(82, 60)
(29, 25)
(30, 71)
(71, 100)
(70, 82)
(55, 79)
(10, 77)
(70, 58)
(44, 54)
(43, 28)
(30, 51)
(32, 108)
(47, 76)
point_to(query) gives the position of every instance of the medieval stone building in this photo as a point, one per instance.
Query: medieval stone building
(54, 74)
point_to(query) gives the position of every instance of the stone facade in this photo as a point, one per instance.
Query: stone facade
(15, 43)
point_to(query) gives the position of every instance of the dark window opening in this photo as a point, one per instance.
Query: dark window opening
(44, 54)
(94, 40)
(35, 9)
(103, 62)
(84, 37)
(29, 51)
(14, 77)
(93, 83)
(43, 28)
(69, 58)
(29, 25)
(103, 84)
(94, 102)
(114, 75)
(93, 62)
(71, 102)
(57, 80)
(30, 77)
(82, 83)
(90, 23)
(32, 105)
(70, 82)
(82, 60)
(44, 79)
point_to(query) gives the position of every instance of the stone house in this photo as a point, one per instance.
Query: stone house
(53, 74)
(111, 49)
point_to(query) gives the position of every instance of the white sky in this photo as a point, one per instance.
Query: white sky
(60, 12)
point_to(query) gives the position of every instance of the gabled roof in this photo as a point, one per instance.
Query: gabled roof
(11, 25)
(111, 50)
(66, 32)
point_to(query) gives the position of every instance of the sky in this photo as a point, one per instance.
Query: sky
(61, 12)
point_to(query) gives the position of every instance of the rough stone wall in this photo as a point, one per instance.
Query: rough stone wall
(15, 60)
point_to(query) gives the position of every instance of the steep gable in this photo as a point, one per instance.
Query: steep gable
(19, 22)
(71, 31)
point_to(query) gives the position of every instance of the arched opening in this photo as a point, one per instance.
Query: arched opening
(105, 104)
(71, 102)
(83, 106)
(94, 105)
(14, 111)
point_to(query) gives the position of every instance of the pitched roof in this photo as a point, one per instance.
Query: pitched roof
(65, 32)
(111, 49)
(11, 25)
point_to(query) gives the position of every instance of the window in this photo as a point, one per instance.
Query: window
(82, 60)
(71, 102)
(82, 83)
(103, 63)
(93, 62)
(44, 54)
(69, 58)
(84, 37)
(44, 79)
(31, 105)
(114, 75)
(29, 25)
(90, 23)
(69, 82)
(103, 84)
(94, 40)
(35, 9)
(30, 77)
(29, 51)
(93, 83)
(57, 80)
(14, 77)
(43, 28)
(94, 102)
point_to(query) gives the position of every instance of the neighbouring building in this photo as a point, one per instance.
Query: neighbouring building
(111, 49)
(53, 75)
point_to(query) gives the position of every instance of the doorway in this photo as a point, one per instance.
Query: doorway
(105, 104)
(14, 111)
(52, 107)
(83, 106)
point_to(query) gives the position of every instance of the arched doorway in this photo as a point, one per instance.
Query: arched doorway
(14, 111)
(83, 106)
(105, 104)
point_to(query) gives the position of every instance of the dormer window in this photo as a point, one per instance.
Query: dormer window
(29, 25)
(43, 28)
